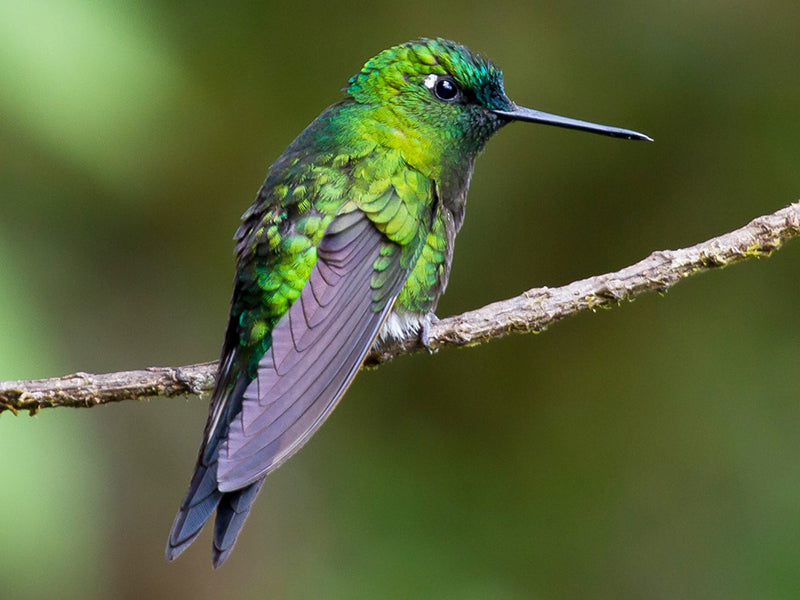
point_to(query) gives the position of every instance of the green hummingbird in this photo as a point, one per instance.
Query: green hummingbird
(349, 242)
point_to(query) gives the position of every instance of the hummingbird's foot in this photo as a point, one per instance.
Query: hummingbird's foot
(424, 331)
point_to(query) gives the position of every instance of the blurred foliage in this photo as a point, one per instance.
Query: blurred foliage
(650, 451)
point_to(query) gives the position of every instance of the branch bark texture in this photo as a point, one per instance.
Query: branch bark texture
(531, 311)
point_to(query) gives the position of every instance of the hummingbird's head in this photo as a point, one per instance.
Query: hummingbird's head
(439, 86)
(450, 93)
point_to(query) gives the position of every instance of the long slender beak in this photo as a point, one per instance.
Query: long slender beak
(520, 113)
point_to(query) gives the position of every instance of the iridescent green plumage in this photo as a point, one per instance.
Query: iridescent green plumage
(352, 232)
(387, 150)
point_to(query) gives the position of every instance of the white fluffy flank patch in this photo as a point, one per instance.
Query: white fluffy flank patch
(399, 325)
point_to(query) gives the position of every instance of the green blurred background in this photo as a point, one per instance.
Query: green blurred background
(651, 451)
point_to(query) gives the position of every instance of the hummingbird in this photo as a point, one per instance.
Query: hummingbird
(348, 243)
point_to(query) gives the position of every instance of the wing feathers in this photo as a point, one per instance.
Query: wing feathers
(317, 348)
(296, 392)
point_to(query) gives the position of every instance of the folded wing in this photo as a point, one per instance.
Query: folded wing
(316, 350)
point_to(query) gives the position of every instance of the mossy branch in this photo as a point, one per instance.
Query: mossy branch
(532, 311)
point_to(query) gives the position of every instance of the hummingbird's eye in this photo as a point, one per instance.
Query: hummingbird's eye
(443, 87)
(446, 89)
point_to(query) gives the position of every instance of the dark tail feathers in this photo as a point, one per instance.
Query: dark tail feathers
(202, 499)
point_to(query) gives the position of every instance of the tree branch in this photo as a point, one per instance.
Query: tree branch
(532, 311)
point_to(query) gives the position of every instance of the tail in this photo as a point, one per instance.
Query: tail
(231, 514)
(202, 499)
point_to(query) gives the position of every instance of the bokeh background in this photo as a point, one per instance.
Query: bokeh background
(650, 451)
